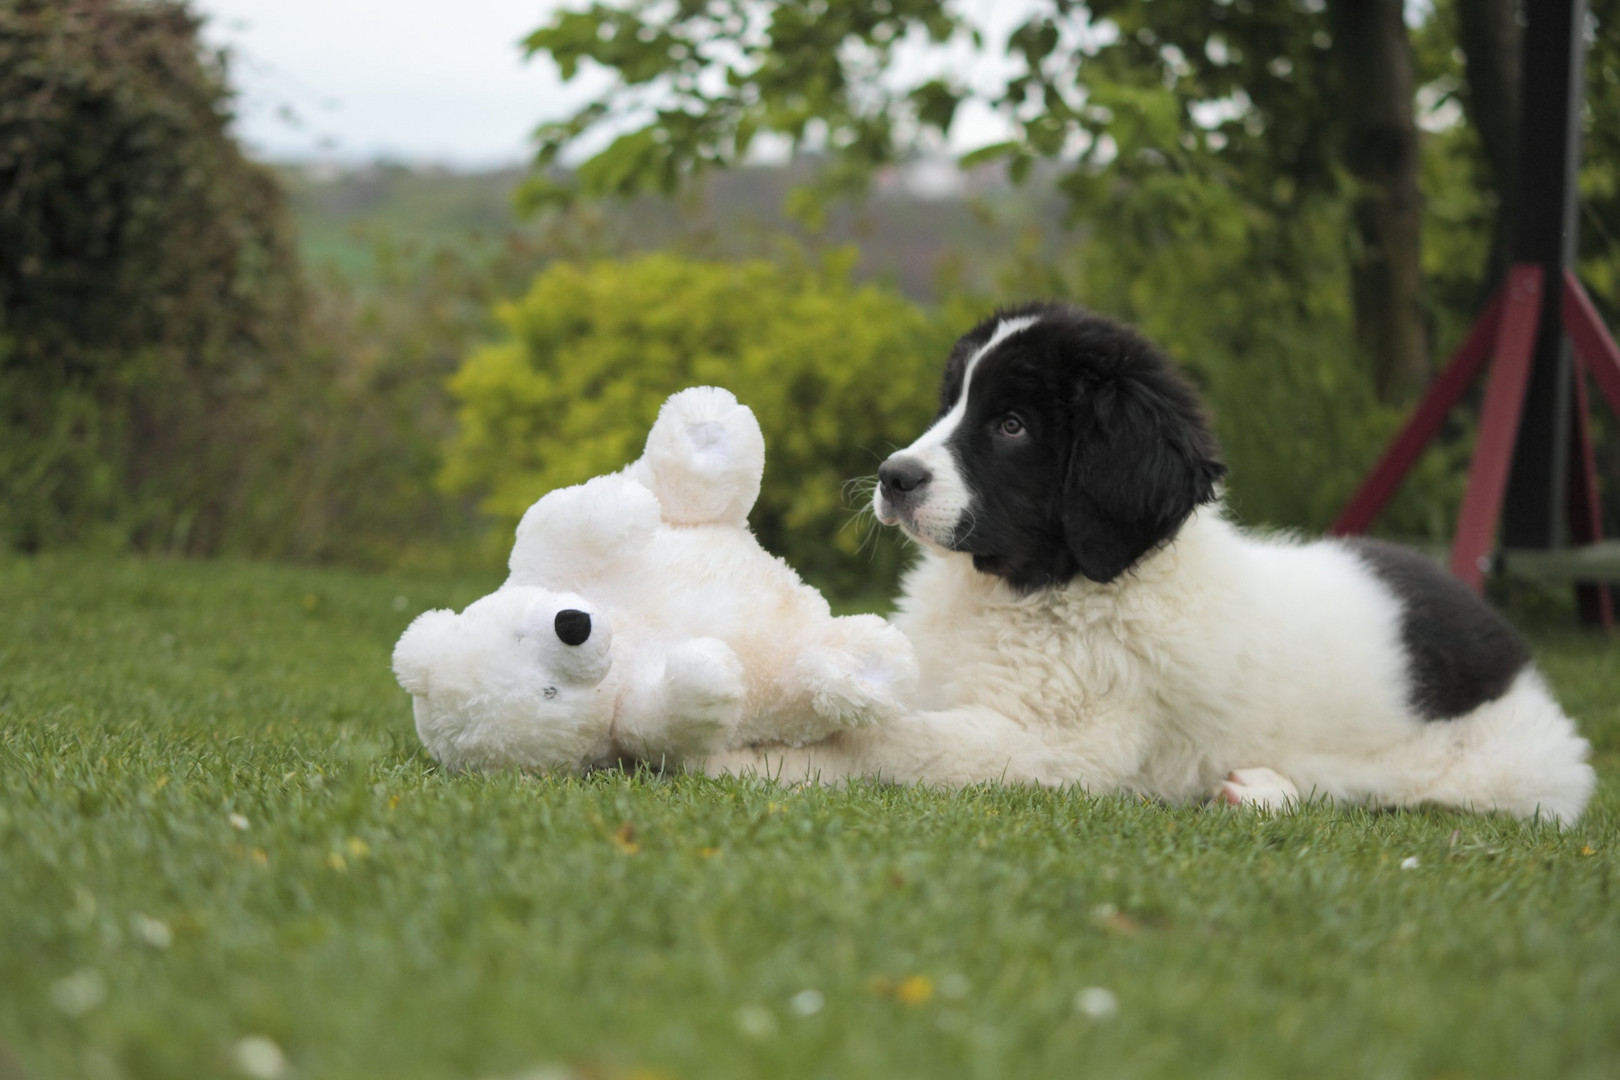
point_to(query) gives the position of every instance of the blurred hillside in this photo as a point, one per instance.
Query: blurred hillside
(925, 228)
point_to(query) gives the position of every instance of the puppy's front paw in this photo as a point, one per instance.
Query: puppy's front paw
(1257, 787)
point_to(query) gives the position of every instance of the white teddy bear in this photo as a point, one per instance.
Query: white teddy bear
(642, 621)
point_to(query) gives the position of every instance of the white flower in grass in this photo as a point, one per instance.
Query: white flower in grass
(1096, 1002)
(807, 1002)
(1409, 863)
(548, 1072)
(99, 1065)
(155, 932)
(80, 992)
(238, 822)
(259, 1057)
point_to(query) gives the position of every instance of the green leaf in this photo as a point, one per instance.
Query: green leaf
(743, 137)
(936, 103)
(985, 154)
(539, 192)
(1035, 39)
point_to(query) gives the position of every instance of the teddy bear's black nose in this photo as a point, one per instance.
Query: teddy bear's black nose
(573, 627)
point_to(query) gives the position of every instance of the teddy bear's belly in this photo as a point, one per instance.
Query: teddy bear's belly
(709, 581)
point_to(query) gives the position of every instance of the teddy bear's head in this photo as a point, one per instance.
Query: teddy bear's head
(521, 677)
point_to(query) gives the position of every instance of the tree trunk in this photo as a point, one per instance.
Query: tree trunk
(1374, 57)
(1489, 32)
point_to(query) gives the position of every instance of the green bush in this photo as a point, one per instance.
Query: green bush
(835, 373)
(150, 300)
(592, 351)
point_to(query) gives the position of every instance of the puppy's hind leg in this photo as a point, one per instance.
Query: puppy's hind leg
(1519, 754)
(1262, 788)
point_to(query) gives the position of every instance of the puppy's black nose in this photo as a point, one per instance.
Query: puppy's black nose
(573, 627)
(900, 475)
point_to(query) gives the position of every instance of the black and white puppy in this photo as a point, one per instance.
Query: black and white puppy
(1083, 613)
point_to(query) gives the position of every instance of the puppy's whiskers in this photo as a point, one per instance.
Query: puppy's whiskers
(858, 495)
(965, 527)
(859, 487)
(869, 535)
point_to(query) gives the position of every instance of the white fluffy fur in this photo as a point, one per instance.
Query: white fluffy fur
(1221, 651)
(699, 639)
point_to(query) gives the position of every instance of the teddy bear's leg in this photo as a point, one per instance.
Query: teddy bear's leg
(685, 710)
(862, 672)
(704, 458)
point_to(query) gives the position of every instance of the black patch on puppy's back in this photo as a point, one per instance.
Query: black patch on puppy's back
(1460, 652)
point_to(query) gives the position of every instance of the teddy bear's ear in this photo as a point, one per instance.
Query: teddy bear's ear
(423, 641)
(704, 459)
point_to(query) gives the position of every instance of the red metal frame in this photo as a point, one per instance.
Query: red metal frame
(1504, 336)
(1595, 600)
(1498, 426)
(1594, 348)
(1595, 354)
(1466, 364)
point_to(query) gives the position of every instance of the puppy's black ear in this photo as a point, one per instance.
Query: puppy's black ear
(1142, 460)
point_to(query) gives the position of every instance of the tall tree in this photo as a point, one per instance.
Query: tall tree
(1488, 32)
(1156, 101)
(149, 286)
(1600, 171)
(1375, 65)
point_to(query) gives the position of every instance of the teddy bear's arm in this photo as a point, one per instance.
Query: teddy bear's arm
(574, 535)
(682, 706)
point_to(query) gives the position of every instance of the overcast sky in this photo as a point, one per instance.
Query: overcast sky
(417, 80)
(420, 80)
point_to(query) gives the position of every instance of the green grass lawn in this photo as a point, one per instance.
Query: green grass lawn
(223, 854)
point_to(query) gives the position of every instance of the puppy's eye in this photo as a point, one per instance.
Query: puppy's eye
(1011, 426)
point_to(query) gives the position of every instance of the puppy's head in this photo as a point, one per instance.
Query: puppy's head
(1065, 444)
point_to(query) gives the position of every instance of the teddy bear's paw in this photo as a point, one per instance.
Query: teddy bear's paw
(575, 533)
(867, 675)
(703, 676)
(704, 458)
(692, 711)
